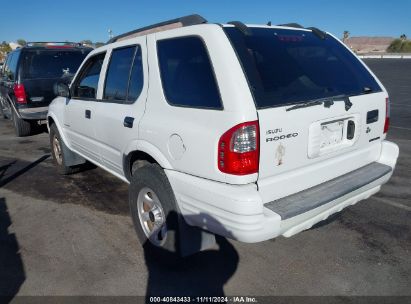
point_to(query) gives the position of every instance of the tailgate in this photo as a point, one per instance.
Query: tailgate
(304, 147)
(40, 91)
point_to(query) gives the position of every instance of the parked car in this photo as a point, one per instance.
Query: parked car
(245, 131)
(28, 76)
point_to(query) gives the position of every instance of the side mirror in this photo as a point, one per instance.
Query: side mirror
(61, 89)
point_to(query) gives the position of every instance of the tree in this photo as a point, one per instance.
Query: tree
(98, 44)
(395, 46)
(4, 49)
(403, 37)
(346, 34)
(400, 46)
(21, 42)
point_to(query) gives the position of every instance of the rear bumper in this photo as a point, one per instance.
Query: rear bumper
(238, 211)
(39, 113)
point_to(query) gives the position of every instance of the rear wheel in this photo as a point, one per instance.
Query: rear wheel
(153, 210)
(21, 127)
(2, 110)
(57, 151)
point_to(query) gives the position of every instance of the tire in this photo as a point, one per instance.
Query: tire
(21, 127)
(151, 180)
(2, 113)
(57, 152)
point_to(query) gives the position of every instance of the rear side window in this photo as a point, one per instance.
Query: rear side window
(11, 66)
(186, 73)
(87, 83)
(293, 66)
(118, 73)
(51, 63)
(136, 78)
(6, 65)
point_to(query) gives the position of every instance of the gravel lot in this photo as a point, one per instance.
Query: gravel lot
(73, 235)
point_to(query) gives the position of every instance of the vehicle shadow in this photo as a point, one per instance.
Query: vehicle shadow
(12, 274)
(4, 179)
(331, 219)
(4, 168)
(202, 274)
(38, 129)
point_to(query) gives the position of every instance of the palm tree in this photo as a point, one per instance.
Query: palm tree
(346, 34)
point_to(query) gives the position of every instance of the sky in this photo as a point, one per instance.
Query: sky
(75, 20)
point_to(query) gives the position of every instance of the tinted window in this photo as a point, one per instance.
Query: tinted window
(186, 73)
(11, 66)
(51, 63)
(289, 66)
(118, 74)
(6, 65)
(136, 78)
(87, 84)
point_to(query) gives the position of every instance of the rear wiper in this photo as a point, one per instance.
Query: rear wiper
(327, 101)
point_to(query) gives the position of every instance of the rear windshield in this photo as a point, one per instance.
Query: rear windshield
(51, 63)
(292, 66)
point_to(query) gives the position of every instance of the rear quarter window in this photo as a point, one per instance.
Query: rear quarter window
(186, 73)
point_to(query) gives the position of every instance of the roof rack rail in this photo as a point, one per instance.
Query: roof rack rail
(317, 32)
(241, 27)
(295, 25)
(56, 43)
(158, 27)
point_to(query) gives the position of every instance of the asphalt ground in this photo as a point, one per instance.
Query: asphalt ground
(73, 235)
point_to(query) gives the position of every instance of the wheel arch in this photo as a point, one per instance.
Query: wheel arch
(52, 119)
(145, 152)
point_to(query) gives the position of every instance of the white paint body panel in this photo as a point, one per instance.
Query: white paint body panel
(184, 142)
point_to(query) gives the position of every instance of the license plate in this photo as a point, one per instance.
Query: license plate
(332, 133)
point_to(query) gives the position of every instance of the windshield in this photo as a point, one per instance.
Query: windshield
(51, 63)
(293, 66)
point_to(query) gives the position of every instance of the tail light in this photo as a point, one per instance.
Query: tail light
(387, 115)
(20, 93)
(238, 149)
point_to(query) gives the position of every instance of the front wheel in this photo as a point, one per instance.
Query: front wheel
(56, 144)
(153, 210)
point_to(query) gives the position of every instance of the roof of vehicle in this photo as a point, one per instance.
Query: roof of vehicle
(55, 45)
(196, 19)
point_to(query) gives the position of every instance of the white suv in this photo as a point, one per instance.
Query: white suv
(245, 131)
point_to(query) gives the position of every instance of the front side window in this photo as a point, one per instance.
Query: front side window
(186, 73)
(118, 74)
(87, 83)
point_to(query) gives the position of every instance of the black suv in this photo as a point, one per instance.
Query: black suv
(28, 77)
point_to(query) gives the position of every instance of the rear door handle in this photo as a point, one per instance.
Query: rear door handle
(88, 114)
(350, 129)
(128, 122)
